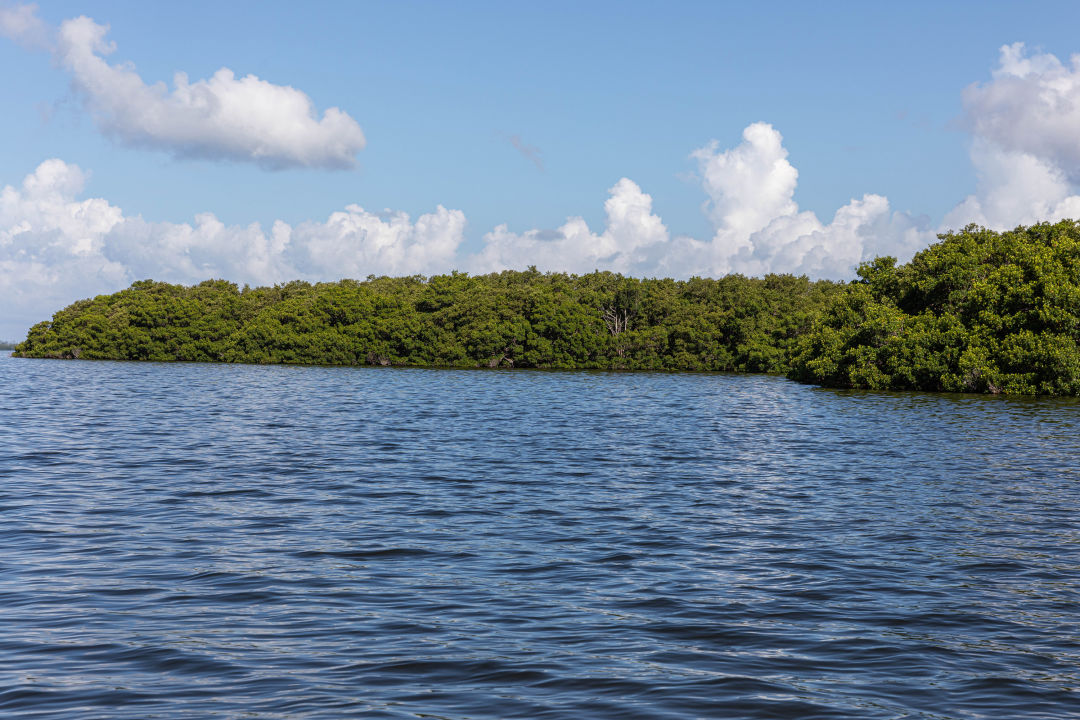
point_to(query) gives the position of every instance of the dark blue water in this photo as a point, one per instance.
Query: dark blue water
(196, 541)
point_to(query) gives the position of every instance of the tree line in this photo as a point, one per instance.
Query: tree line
(979, 311)
(511, 319)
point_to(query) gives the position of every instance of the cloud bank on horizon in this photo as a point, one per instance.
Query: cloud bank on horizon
(56, 246)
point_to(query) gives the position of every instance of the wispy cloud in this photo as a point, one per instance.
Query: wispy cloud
(21, 24)
(530, 152)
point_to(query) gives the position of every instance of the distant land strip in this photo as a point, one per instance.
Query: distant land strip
(978, 311)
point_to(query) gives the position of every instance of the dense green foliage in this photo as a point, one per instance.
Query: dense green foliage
(979, 311)
(509, 319)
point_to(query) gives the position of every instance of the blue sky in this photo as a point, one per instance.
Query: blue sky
(523, 115)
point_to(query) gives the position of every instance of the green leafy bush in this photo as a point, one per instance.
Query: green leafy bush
(979, 311)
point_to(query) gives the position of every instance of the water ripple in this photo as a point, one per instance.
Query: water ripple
(184, 541)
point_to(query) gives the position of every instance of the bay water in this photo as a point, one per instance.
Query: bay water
(186, 540)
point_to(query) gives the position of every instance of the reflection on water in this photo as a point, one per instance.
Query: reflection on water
(239, 541)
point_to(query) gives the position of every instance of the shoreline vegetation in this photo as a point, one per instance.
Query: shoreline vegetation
(978, 311)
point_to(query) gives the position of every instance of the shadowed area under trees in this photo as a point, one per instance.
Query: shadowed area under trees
(979, 311)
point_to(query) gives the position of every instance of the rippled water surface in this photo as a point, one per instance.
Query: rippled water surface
(183, 541)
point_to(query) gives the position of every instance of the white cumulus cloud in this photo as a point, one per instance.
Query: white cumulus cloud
(1025, 149)
(750, 193)
(51, 246)
(1031, 106)
(1014, 188)
(223, 117)
(759, 228)
(356, 243)
(630, 242)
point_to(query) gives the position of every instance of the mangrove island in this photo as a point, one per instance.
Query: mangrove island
(978, 311)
